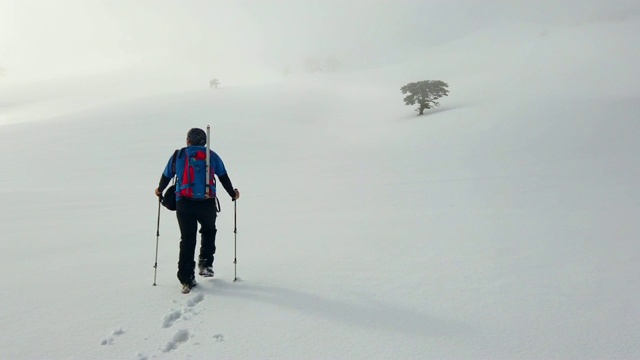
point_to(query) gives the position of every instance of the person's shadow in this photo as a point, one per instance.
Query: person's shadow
(363, 312)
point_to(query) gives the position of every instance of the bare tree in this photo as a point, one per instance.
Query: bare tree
(214, 83)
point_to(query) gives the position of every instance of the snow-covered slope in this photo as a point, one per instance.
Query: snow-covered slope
(501, 225)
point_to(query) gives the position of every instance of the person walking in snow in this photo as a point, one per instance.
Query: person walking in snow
(196, 203)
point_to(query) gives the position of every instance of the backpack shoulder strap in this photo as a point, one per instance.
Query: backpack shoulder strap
(176, 154)
(173, 161)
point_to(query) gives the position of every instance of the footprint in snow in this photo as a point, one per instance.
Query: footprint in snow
(195, 300)
(174, 316)
(170, 319)
(179, 338)
(111, 339)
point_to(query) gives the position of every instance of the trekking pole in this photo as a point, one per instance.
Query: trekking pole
(155, 265)
(207, 191)
(235, 242)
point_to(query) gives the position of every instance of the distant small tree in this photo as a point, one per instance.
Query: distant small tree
(332, 64)
(425, 93)
(214, 83)
(312, 65)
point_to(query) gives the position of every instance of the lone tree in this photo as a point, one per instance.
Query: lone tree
(425, 93)
(332, 64)
(312, 65)
(214, 83)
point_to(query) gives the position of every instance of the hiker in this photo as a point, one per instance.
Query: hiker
(194, 204)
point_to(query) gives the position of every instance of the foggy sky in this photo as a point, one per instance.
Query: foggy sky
(42, 39)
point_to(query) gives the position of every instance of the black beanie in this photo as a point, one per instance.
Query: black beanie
(197, 137)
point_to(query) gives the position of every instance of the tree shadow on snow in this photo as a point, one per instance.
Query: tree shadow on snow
(366, 313)
(434, 111)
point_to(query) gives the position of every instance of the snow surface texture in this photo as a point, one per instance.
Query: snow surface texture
(501, 225)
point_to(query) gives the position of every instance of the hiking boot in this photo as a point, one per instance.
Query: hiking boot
(205, 271)
(188, 285)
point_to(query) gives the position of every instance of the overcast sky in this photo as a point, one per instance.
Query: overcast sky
(44, 38)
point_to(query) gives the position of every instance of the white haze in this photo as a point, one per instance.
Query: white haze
(501, 225)
(71, 55)
(245, 41)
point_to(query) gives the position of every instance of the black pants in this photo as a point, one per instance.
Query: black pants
(189, 214)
